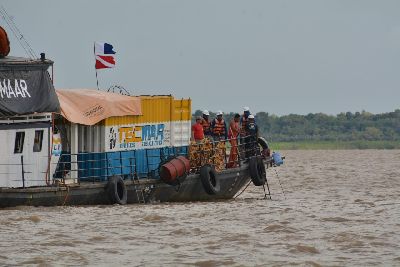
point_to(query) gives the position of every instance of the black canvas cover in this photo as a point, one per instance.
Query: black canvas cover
(25, 88)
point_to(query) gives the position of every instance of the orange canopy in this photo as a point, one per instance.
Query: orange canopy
(88, 106)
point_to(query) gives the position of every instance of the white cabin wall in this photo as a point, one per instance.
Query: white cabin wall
(35, 163)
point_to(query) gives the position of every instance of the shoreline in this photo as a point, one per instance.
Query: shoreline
(334, 145)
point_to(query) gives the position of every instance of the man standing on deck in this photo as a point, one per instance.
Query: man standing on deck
(251, 139)
(218, 128)
(243, 121)
(233, 135)
(197, 130)
(206, 124)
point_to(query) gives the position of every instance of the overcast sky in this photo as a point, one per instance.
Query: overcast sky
(276, 56)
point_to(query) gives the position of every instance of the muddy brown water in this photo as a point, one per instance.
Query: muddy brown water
(337, 208)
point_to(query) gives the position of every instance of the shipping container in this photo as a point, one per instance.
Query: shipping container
(136, 144)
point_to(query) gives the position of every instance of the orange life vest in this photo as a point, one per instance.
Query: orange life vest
(219, 128)
(206, 126)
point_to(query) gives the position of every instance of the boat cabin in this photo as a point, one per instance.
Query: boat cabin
(81, 135)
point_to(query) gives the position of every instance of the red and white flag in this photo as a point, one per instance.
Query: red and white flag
(104, 62)
(104, 54)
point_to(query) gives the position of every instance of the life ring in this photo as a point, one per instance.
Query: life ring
(4, 43)
(210, 180)
(116, 190)
(257, 171)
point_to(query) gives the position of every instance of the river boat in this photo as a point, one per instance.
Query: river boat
(91, 147)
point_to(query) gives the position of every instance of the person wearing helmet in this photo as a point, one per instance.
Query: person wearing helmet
(251, 137)
(206, 124)
(218, 127)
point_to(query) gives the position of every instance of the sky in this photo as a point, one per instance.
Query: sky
(281, 56)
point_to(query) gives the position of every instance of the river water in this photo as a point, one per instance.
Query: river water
(328, 208)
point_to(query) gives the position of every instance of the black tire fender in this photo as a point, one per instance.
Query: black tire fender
(116, 190)
(262, 142)
(210, 180)
(257, 171)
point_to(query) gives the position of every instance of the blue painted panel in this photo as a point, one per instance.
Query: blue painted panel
(144, 162)
(92, 166)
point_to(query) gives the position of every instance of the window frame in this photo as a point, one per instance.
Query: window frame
(18, 144)
(37, 146)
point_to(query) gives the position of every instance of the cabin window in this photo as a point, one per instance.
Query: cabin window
(37, 143)
(19, 142)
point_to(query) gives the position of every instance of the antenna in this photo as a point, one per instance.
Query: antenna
(121, 89)
(17, 33)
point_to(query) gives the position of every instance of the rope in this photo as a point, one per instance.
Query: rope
(242, 190)
(66, 196)
(277, 176)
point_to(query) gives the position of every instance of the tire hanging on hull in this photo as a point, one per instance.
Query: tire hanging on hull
(210, 180)
(116, 190)
(257, 171)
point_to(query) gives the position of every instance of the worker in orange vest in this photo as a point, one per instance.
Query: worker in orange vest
(206, 124)
(233, 134)
(218, 127)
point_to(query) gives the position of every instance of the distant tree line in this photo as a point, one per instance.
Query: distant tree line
(321, 127)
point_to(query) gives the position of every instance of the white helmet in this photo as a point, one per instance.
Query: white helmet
(251, 116)
(219, 112)
(246, 109)
(205, 112)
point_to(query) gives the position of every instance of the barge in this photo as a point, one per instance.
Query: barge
(90, 147)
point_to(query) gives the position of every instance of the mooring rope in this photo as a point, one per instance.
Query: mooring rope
(66, 196)
(277, 176)
(242, 190)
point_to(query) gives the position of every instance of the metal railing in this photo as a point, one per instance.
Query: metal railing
(223, 153)
(134, 164)
(94, 167)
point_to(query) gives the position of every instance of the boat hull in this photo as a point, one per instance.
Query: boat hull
(138, 191)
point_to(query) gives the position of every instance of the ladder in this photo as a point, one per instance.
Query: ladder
(139, 192)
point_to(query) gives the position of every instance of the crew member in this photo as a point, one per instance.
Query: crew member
(218, 127)
(243, 120)
(197, 130)
(233, 134)
(206, 124)
(252, 137)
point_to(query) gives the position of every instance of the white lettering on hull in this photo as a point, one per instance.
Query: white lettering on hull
(16, 90)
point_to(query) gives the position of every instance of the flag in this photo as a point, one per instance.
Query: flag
(104, 62)
(104, 54)
(103, 49)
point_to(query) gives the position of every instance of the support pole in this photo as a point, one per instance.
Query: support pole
(23, 171)
(74, 151)
(94, 53)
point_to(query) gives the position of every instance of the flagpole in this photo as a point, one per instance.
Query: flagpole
(97, 80)
(94, 52)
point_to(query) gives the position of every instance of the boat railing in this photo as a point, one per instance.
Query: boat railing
(99, 166)
(222, 153)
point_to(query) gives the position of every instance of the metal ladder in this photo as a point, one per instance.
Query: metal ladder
(138, 191)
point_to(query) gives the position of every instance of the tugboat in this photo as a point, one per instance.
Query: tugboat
(90, 147)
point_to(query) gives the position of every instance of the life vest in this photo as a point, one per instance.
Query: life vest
(219, 128)
(206, 126)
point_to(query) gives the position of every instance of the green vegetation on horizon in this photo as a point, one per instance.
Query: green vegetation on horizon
(359, 130)
(316, 145)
